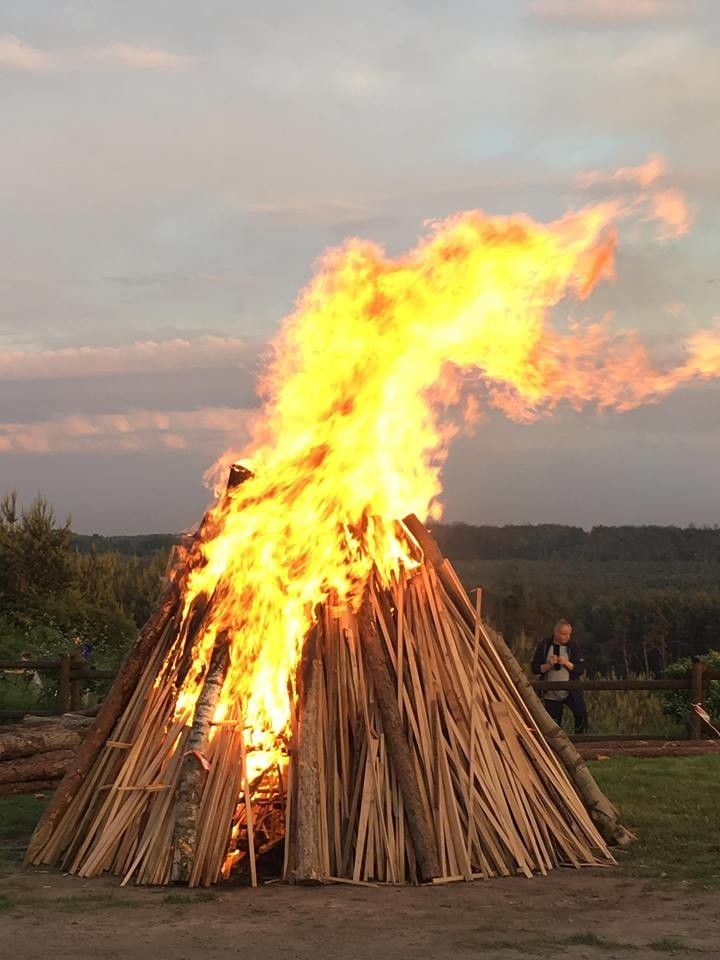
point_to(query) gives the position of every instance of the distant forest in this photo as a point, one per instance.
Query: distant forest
(638, 597)
(545, 541)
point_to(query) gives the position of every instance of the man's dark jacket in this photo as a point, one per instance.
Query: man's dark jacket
(574, 656)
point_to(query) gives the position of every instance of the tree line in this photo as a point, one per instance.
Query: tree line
(548, 542)
(638, 597)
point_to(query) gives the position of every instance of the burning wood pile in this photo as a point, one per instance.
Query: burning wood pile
(410, 754)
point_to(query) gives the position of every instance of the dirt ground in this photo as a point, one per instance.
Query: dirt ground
(581, 915)
(603, 749)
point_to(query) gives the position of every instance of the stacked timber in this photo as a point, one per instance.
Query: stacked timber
(35, 754)
(415, 754)
(430, 766)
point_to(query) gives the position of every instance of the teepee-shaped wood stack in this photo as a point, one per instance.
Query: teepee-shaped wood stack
(414, 755)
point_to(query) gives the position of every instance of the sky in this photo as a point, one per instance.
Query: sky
(171, 172)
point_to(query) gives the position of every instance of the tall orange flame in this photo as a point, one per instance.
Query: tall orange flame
(361, 397)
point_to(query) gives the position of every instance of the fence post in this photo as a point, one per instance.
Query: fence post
(63, 698)
(697, 695)
(77, 663)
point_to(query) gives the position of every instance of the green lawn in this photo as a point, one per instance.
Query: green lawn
(671, 803)
(18, 816)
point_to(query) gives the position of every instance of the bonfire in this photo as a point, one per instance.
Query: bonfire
(316, 697)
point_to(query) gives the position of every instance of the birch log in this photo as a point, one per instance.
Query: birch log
(193, 773)
(307, 847)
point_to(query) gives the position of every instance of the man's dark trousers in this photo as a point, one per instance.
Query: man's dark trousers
(578, 708)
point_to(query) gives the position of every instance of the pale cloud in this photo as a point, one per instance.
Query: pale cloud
(669, 208)
(17, 55)
(135, 430)
(141, 58)
(140, 357)
(643, 175)
(607, 12)
(664, 204)
(315, 211)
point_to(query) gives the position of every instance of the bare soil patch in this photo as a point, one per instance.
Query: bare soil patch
(580, 915)
(602, 749)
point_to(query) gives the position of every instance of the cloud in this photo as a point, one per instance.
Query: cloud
(643, 175)
(135, 430)
(315, 211)
(666, 205)
(141, 58)
(146, 356)
(16, 55)
(606, 12)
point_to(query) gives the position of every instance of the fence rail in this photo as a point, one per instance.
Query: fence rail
(696, 682)
(72, 674)
(72, 670)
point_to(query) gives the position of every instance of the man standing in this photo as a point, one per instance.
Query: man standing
(558, 658)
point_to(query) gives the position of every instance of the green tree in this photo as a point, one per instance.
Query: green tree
(35, 553)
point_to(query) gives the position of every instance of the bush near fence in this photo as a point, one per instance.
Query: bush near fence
(677, 703)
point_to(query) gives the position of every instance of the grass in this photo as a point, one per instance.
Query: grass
(18, 816)
(613, 712)
(669, 945)
(671, 804)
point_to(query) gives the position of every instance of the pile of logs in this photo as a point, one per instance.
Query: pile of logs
(35, 754)
(418, 752)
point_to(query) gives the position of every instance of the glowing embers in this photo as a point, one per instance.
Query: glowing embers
(257, 835)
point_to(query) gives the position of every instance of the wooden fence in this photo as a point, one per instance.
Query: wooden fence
(696, 682)
(74, 675)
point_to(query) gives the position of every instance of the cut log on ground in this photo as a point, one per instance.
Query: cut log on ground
(26, 740)
(41, 766)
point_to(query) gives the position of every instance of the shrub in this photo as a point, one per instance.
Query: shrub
(677, 702)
